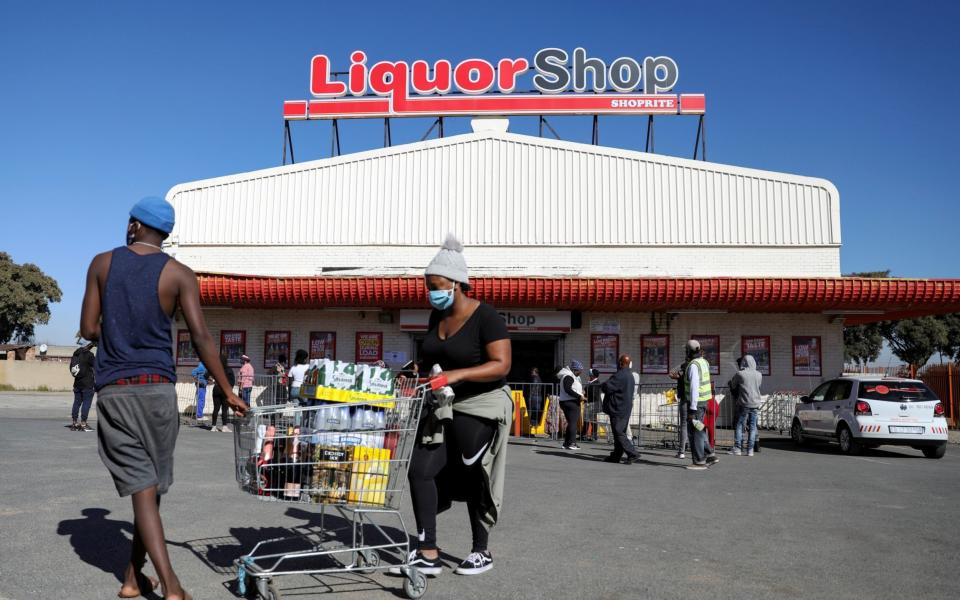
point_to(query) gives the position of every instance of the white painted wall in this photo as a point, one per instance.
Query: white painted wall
(730, 328)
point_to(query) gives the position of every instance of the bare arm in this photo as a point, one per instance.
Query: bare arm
(189, 298)
(90, 310)
(500, 356)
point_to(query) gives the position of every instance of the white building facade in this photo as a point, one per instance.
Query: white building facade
(588, 251)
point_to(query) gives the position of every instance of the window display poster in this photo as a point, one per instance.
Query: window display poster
(275, 345)
(757, 346)
(604, 348)
(710, 344)
(806, 355)
(369, 346)
(323, 344)
(234, 343)
(655, 354)
(186, 353)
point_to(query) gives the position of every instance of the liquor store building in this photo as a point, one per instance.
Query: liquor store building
(587, 251)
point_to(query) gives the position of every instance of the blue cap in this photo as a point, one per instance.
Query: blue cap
(576, 365)
(154, 212)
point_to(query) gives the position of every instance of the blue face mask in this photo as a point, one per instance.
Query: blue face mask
(441, 299)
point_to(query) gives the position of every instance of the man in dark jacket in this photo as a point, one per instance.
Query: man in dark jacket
(618, 403)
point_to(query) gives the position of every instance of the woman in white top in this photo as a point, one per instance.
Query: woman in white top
(296, 373)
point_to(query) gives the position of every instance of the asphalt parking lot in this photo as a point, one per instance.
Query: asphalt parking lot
(786, 523)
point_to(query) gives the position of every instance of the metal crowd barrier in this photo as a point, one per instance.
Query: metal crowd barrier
(265, 392)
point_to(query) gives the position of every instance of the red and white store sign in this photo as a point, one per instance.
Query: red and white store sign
(569, 84)
(528, 321)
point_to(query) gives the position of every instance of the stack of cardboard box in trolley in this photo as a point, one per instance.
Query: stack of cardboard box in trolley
(351, 447)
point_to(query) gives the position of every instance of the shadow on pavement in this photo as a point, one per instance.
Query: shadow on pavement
(100, 542)
(598, 458)
(219, 553)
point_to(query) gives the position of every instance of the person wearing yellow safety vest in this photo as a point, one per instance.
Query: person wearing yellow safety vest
(698, 393)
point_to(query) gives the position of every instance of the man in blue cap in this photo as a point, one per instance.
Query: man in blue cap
(131, 295)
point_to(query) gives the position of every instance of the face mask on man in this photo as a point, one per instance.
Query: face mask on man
(441, 299)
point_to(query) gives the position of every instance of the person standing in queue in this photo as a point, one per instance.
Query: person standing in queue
(460, 453)
(131, 295)
(682, 408)
(618, 403)
(220, 392)
(571, 395)
(698, 394)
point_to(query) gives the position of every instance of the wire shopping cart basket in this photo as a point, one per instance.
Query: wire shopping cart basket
(351, 456)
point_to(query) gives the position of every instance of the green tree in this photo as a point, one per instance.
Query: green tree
(952, 346)
(914, 341)
(25, 296)
(863, 343)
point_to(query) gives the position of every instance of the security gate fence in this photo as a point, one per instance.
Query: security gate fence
(654, 422)
(266, 391)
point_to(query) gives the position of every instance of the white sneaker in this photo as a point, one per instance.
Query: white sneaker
(227, 428)
(215, 429)
(749, 452)
(571, 447)
(734, 451)
(681, 455)
(476, 563)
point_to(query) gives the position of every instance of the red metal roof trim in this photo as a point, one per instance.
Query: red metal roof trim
(896, 297)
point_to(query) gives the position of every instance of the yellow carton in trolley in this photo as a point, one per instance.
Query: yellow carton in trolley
(371, 474)
(338, 381)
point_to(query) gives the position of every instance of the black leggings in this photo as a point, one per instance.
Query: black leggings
(571, 412)
(465, 441)
(219, 403)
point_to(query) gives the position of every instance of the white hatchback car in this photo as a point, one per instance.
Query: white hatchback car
(863, 411)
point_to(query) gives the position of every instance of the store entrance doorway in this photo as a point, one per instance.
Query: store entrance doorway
(540, 351)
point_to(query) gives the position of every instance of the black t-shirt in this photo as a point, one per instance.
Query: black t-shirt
(466, 348)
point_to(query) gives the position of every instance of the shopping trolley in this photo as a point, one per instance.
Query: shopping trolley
(351, 456)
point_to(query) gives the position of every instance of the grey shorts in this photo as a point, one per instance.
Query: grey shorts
(137, 427)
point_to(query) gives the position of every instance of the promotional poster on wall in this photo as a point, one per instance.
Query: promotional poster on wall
(604, 348)
(186, 353)
(276, 344)
(655, 354)
(369, 346)
(710, 344)
(806, 355)
(323, 344)
(235, 345)
(757, 346)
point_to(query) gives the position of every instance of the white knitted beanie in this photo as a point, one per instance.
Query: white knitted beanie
(449, 261)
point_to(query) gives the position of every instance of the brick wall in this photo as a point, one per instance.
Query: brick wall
(646, 261)
(730, 327)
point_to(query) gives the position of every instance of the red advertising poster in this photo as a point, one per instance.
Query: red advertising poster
(369, 346)
(710, 344)
(323, 344)
(655, 354)
(604, 349)
(757, 346)
(186, 353)
(806, 355)
(234, 342)
(275, 345)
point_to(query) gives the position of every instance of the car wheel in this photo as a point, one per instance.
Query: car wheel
(848, 445)
(935, 451)
(796, 433)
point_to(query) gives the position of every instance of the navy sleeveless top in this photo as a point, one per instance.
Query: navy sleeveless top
(136, 336)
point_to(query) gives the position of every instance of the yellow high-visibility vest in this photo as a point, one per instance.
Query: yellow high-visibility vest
(704, 392)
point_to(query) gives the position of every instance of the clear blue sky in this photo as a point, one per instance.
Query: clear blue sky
(104, 103)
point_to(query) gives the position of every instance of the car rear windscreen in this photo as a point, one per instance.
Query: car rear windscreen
(896, 391)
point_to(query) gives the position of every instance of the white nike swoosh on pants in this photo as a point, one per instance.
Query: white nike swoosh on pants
(470, 461)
